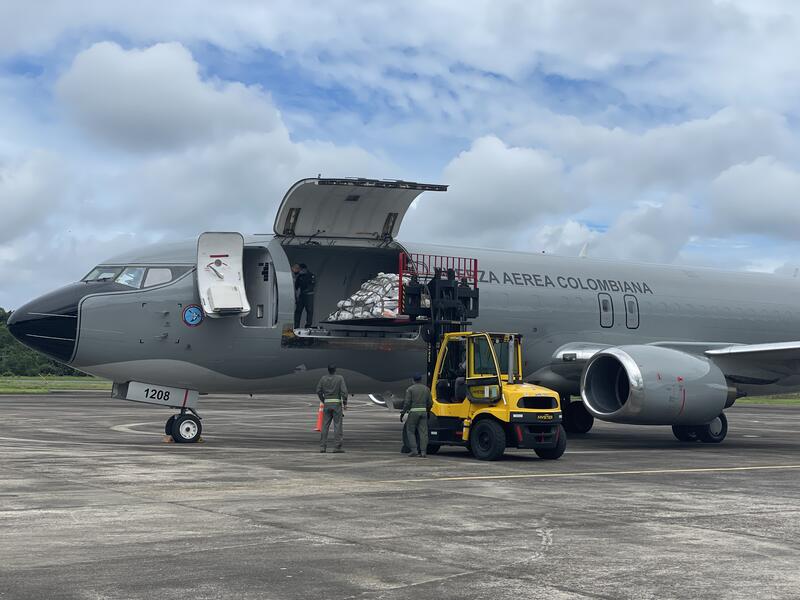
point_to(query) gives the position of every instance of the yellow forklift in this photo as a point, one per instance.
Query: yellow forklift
(480, 401)
(479, 398)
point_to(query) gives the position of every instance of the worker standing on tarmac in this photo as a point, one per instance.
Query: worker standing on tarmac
(304, 286)
(332, 392)
(417, 403)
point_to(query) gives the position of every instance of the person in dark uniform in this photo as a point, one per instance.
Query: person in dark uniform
(332, 392)
(304, 284)
(417, 403)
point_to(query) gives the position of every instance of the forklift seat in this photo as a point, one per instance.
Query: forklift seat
(443, 391)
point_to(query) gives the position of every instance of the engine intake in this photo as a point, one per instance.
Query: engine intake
(652, 385)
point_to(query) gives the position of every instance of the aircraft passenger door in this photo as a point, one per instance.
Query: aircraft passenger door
(606, 306)
(220, 278)
(631, 312)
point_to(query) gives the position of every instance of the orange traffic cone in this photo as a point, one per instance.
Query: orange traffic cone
(319, 417)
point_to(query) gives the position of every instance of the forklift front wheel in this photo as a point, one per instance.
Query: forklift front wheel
(556, 451)
(487, 440)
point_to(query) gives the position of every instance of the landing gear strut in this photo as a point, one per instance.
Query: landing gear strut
(576, 418)
(710, 433)
(184, 428)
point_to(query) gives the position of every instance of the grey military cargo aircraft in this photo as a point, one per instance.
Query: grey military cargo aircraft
(637, 343)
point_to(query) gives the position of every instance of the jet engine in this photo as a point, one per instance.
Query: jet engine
(652, 385)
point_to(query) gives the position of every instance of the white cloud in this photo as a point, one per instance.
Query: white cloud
(496, 192)
(648, 232)
(155, 99)
(709, 53)
(556, 122)
(762, 197)
(622, 165)
(31, 191)
(565, 239)
(235, 183)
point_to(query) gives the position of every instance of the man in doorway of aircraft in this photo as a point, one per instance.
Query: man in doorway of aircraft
(417, 403)
(304, 283)
(332, 392)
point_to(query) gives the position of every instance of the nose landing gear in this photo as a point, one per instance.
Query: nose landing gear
(184, 428)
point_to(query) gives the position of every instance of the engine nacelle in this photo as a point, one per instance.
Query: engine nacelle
(652, 385)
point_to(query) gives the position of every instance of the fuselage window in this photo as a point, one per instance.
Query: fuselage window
(131, 276)
(157, 276)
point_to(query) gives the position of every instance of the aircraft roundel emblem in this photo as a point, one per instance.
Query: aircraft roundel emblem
(193, 315)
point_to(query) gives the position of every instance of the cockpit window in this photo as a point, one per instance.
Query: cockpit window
(103, 274)
(157, 276)
(131, 276)
(137, 277)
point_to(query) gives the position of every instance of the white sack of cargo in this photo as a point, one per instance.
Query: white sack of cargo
(375, 299)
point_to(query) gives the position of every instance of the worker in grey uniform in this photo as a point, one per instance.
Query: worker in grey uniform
(332, 392)
(417, 403)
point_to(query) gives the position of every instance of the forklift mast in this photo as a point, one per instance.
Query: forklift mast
(441, 291)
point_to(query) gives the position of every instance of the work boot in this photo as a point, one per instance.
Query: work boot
(423, 455)
(413, 455)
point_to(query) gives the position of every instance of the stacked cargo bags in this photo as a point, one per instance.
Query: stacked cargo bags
(376, 299)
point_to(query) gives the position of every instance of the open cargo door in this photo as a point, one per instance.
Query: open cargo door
(346, 209)
(219, 274)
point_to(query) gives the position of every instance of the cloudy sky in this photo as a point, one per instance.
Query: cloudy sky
(664, 134)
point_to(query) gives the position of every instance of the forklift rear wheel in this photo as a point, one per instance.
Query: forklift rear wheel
(558, 450)
(433, 448)
(186, 429)
(487, 440)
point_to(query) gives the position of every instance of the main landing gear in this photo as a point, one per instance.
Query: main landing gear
(710, 433)
(576, 418)
(184, 428)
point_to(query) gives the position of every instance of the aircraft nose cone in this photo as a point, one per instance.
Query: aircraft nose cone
(49, 324)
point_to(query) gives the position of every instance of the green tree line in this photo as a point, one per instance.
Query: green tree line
(16, 359)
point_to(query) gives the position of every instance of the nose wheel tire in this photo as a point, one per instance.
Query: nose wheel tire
(168, 425)
(487, 440)
(186, 429)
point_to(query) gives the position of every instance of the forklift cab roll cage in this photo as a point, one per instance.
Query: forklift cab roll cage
(475, 373)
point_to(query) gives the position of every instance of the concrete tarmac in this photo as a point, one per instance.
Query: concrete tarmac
(93, 504)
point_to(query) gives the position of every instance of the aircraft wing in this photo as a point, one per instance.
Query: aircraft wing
(747, 364)
(757, 364)
(776, 352)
